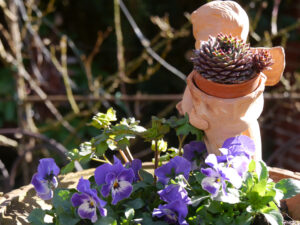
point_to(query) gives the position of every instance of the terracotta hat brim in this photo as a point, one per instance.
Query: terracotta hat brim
(278, 56)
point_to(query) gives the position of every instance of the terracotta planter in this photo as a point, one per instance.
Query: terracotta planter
(16, 205)
(226, 90)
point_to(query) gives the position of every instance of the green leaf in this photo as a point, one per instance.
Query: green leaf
(102, 120)
(139, 185)
(274, 217)
(199, 177)
(147, 220)
(184, 128)
(68, 218)
(36, 217)
(68, 168)
(129, 213)
(101, 148)
(215, 207)
(232, 196)
(252, 166)
(157, 131)
(262, 171)
(136, 203)
(196, 200)
(106, 221)
(147, 177)
(61, 199)
(244, 219)
(289, 187)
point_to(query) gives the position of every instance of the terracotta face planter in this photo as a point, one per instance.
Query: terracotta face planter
(224, 110)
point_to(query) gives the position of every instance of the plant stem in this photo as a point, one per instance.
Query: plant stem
(156, 160)
(123, 156)
(181, 140)
(99, 160)
(128, 153)
(106, 159)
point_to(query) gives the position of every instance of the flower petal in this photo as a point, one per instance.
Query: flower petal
(240, 145)
(191, 150)
(83, 185)
(42, 188)
(173, 213)
(46, 167)
(210, 185)
(39, 185)
(103, 170)
(78, 199)
(174, 191)
(211, 160)
(163, 172)
(123, 191)
(105, 190)
(182, 166)
(232, 176)
(210, 172)
(135, 165)
(85, 211)
(127, 175)
(181, 210)
(101, 173)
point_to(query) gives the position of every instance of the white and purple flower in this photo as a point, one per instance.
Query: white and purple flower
(195, 152)
(116, 179)
(217, 175)
(88, 201)
(237, 153)
(173, 213)
(176, 166)
(44, 181)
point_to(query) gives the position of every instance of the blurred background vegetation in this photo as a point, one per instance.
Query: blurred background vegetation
(63, 61)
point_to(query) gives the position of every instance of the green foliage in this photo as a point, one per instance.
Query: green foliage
(36, 217)
(103, 120)
(257, 196)
(63, 209)
(289, 187)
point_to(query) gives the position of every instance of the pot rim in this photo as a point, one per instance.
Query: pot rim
(226, 91)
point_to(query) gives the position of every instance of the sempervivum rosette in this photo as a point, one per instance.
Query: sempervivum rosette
(228, 60)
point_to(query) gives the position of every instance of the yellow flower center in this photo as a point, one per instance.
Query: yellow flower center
(116, 184)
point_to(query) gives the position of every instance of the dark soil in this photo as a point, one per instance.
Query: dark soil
(260, 220)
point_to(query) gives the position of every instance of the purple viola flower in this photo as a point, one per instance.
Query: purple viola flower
(88, 201)
(237, 146)
(115, 179)
(217, 175)
(178, 165)
(44, 181)
(135, 165)
(195, 152)
(174, 192)
(173, 213)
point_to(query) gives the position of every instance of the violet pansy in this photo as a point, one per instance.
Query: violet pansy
(45, 180)
(115, 179)
(88, 202)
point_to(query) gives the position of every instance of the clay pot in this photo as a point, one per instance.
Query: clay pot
(226, 90)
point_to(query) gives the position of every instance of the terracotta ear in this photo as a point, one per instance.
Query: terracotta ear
(278, 56)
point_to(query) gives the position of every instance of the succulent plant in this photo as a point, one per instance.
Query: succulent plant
(229, 60)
